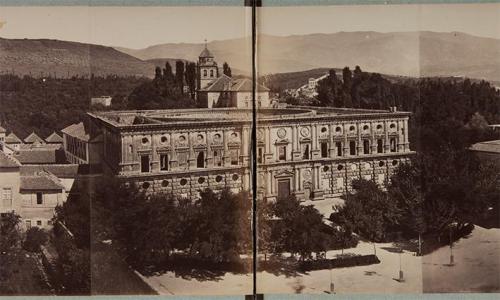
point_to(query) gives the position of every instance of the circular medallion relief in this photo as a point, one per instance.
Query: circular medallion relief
(281, 133)
(307, 174)
(368, 166)
(234, 136)
(181, 139)
(164, 139)
(304, 131)
(200, 138)
(217, 138)
(353, 167)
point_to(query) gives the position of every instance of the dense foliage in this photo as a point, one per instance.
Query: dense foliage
(9, 231)
(71, 239)
(35, 238)
(151, 228)
(45, 105)
(288, 226)
(167, 90)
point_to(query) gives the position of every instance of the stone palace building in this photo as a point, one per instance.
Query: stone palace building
(314, 153)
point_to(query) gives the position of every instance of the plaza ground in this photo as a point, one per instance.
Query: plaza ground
(476, 269)
(476, 265)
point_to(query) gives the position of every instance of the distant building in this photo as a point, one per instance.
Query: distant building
(102, 100)
(214, 90)
(80, 147)
(228, 92)
(40, 193)
(308, 90)
(33, 138)
(54, 139)
(10, 183)
(13, 141)
(488, 151)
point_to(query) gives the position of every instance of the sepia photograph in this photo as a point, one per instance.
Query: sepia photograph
(248, 148)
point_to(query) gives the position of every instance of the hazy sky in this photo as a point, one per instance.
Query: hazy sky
(138, 27)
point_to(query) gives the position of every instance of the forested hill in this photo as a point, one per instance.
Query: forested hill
(30, 104)
(63, 59)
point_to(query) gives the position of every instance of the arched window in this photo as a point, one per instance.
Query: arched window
(205, 73)
(211, 73)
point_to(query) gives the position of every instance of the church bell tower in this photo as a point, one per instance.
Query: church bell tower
(207, 68)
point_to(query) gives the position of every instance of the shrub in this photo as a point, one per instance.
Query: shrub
(35, 238)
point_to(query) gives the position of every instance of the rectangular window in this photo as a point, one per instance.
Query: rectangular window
(164, 162)
(380, 146)
(217, 158)
(39, 198)
(260, 155)
(182, 159)
(366, 146)
(28, 224)
(281, 153)
(39, 223)
(7, 197)
(324, 149)
(305, 151)
(393, 144)
(352, 148)
(233, 155)
(338, 146)
(200, 159)
(145, 163)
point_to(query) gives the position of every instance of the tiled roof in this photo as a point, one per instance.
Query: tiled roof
(33, 138)
(59, 170)
(11, 138)
(221, 84)
(8, 161)
(488, 146)
(226, 83)
(2, 130)
(42, 181)
(77, 131)
(54, 138)
(40, 156)
(245, 85)
(38, 146)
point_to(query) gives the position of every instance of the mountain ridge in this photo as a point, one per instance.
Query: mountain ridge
(412, 53)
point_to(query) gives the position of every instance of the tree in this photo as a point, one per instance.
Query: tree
(297, 229)
(158, 74)
(191, 78)
(9, 231)
(223, 225)
(407, 191)
(35, 238)
(369, 211)
(226, 69)
(167, 72)
(179, 75)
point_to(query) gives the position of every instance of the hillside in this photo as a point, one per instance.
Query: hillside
(41, 57)
(399, 53)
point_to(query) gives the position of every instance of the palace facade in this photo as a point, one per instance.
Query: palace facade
(314, 153)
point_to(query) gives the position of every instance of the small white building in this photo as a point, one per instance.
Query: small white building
(101, 100)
